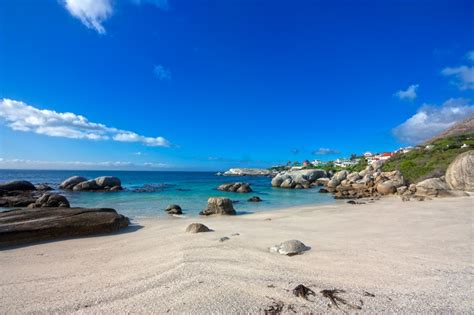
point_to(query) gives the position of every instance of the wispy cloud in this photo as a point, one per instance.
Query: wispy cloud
(87, 165)
(23, 117)
(325, 151)
(92, 13)
(161, 4)
(409, 93)
(462, 76)
(162, 73)
(431, 120)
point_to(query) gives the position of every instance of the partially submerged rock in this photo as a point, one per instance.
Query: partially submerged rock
(460, 173)
(219, 205)
(31, 225)
(174, 209)
(235, 187)
(290, 248)
(71, 182)
(43, 187)
(255, 199)
(245, 172)
(197, 228)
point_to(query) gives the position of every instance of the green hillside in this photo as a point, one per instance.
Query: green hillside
(432, 160)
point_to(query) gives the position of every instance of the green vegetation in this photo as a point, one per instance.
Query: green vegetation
(422, 163)
(360, 166)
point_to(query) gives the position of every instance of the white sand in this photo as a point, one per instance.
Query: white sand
(416, 257)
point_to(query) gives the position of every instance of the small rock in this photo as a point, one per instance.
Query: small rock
(43, 187)
(255, 199)
(218, 205)
(197, 228)
(223, 239)
(290, 248)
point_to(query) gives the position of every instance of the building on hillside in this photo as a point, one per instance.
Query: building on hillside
(368, 154)
(345, 163)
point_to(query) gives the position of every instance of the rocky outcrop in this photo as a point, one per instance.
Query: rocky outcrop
(32, 225)
(218, 205)
(245, 172)
(103, 183)
(235, 187)
(20, 199)
(369, 182)
(197, 228)
(49, 200)
(300, 179)
(43, 187)
(18, 185)
(460, 173)
(174, 209)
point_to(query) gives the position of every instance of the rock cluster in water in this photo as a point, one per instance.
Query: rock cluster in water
(24, 194)
(235, 187)
(245, 172)
(103, 183)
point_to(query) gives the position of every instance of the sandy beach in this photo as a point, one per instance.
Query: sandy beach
(414, 257)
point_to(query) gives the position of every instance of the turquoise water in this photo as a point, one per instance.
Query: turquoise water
(188, 189)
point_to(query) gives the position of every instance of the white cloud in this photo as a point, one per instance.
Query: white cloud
(325, 151)
(92, 13)
(162, 4)
(22, 117)
(463, 76)
(87, 165)
(431, 120)
(409, 93)
(162, 73)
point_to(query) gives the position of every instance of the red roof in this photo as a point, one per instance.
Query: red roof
(387, 154)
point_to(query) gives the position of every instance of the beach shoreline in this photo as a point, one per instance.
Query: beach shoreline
(413, 256)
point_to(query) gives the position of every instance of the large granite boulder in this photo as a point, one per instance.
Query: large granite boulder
(18, 185)
(49, 200)
(108, 182)
(432, 187)
(460, 173)
(235, 187)
(71, 182)
(31, 225)
(43, 187)
(88, 185)
(297, 179)
(218, 205)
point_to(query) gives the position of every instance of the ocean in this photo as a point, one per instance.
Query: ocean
(190, 190)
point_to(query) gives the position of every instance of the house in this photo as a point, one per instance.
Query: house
(385, 156)
(368, 154)
(345, 163)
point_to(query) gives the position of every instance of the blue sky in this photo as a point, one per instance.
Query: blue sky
(207, 85)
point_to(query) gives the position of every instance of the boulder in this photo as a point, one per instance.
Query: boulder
(322, 181)
(402, 189)
(255, 199)
(86, 186)
(71, 182)
(460, 173)
(219, 205)
(235, 187)
(174, 209)
(18, 185)
(108, 181)
(49, 200)
(197, 228)
(31, 225)
(432, 187)
(386, 188)
(290, 248)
